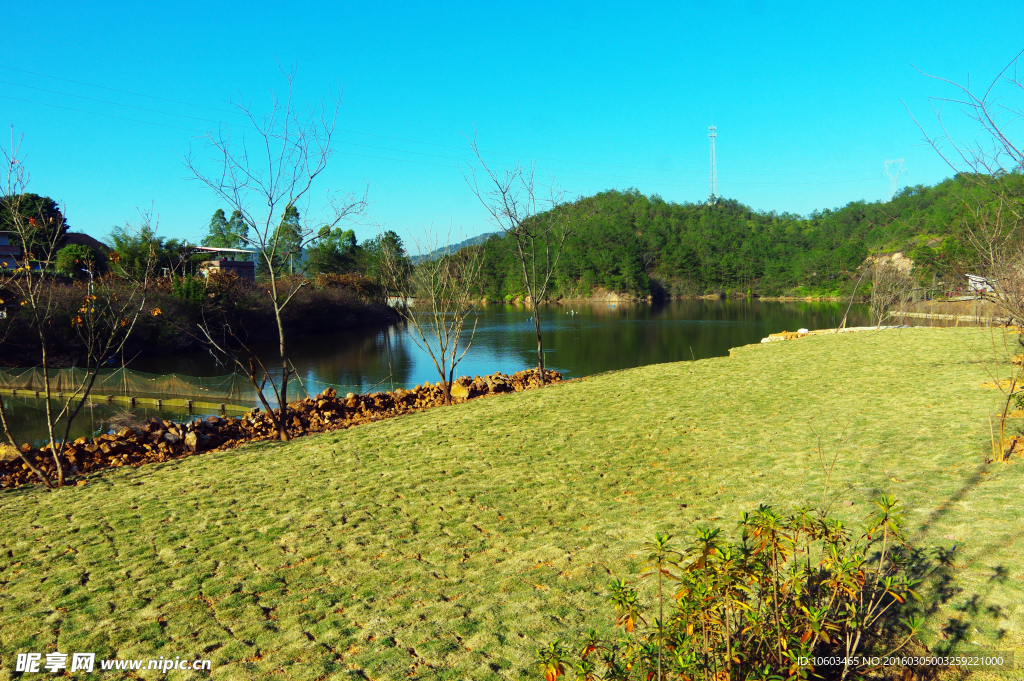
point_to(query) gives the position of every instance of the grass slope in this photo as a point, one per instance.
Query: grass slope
(451, 543)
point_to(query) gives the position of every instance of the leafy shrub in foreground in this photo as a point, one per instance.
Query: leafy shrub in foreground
(793, 586)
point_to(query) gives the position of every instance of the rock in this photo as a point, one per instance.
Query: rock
(158, 440)
(349, 396)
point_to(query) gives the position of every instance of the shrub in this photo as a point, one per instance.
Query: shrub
(72, 259)
(191, 290)
(793, 587)
(366, 288)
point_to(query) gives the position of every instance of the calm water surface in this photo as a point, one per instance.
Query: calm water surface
(580, 340)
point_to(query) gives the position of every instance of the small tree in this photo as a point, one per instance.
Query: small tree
(890, 288)
(436, 298)
(992, 166)
(265, 178)
(103, 322)
(538, 236)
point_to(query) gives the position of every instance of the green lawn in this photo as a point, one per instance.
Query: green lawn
(451, 543)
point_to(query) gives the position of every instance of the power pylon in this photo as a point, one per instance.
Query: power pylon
(894, 179)
(713, 185)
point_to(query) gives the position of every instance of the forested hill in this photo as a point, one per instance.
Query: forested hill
(630, 243)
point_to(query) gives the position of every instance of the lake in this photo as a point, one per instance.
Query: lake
(580, 340)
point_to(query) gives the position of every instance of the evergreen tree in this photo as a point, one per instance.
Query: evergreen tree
(41, 212)
(216, 232)
(285, 247)
(224, 233)
(334, 252)
(374, 250)
(238, 230)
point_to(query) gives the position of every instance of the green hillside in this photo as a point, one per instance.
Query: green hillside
(631, 243)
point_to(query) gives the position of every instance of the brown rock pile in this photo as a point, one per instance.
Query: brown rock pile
(160, 440)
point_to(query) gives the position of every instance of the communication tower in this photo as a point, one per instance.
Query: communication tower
(713, 185)
(894, 178)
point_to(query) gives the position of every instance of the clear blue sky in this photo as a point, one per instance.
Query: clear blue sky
(806, 97)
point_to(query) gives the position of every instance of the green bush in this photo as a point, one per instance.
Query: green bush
(793, 587)
(191, 290)
(71, 260)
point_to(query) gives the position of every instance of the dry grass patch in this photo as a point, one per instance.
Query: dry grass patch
(449, 544)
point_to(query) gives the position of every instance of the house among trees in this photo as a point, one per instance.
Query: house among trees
(976, 284)
(224, 261)
(9, 253)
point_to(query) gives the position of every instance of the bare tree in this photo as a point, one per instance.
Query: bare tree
(267, 177)
(988, 162)
(436, 297)
(992, 217)
(538, 227)
(994, 235)
(103, 322)
(890, 289)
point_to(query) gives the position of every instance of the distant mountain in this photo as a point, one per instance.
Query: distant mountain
(454, 248)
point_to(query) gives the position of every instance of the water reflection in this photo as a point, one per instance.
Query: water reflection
(27, 418)
(579, 339)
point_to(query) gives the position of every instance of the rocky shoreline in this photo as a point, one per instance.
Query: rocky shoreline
(158, 441)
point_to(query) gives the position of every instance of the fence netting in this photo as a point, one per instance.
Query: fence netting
(233, 388)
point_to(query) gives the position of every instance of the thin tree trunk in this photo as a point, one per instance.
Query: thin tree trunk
(49, 412)
(540, 344)
(282, 422)
(259, 393)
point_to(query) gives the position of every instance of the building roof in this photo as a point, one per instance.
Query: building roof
(209, 249)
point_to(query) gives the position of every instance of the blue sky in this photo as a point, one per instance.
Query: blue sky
(806, 98)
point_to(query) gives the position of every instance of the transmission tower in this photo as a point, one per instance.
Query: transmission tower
(894, 179)
(713, 185)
